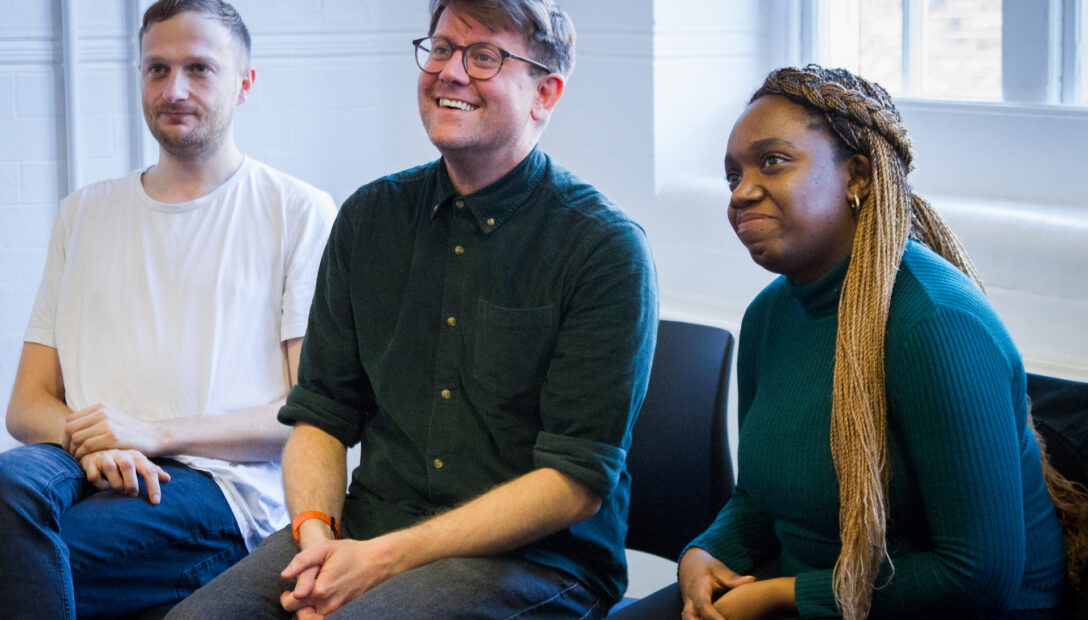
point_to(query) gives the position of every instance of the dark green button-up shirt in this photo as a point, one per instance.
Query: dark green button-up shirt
(467, 340)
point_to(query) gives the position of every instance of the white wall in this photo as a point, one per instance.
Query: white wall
(655, 87)
(31, 169)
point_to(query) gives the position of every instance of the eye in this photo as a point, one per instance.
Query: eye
(733, 178)
(154, 70)
(771, 160)
(441, 48)
(485, 56)
(199, 68)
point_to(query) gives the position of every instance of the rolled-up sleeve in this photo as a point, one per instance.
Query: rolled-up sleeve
(598, 374)
(595, 464)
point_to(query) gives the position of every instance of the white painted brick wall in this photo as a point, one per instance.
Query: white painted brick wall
(30, 149)
(334, 104)
(7, 96)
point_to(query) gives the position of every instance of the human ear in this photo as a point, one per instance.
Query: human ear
(248, 77)
(860, 171)
(548, 91)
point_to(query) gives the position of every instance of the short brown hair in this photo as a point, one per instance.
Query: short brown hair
(223, 12)
(548, 29)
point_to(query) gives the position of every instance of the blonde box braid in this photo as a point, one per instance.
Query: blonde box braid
(862, 115)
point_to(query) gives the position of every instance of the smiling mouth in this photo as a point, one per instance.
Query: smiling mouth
(457, 105)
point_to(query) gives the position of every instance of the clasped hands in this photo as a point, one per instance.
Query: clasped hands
(331, 573)
(711, 591)
(113, 448)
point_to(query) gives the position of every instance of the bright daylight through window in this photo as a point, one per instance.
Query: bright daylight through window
(964, 50)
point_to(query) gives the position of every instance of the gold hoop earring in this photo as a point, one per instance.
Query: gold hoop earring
(857, 203)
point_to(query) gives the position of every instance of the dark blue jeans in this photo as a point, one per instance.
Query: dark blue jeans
(71, 549)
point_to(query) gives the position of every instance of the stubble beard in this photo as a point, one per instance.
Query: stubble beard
(203, 139)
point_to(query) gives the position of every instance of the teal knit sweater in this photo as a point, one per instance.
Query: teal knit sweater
(971, 531)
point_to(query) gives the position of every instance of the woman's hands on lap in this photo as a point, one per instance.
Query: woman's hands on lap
(770, 598)
(703, 579)
(712, 591)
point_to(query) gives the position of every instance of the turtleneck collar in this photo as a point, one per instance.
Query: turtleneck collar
(820, 297)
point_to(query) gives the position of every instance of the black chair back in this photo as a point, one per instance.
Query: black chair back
(681, 471)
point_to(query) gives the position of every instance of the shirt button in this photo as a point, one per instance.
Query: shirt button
(438, 463)
(458, 250)
(452, 322)
(490, 221)
(460, 204)
(446, 394)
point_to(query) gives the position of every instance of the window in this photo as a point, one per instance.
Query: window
(1011, 144)
(1028, 51)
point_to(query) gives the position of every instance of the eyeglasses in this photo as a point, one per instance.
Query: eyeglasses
(482, 61)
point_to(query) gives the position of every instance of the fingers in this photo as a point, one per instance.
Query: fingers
(94, 476)
(304, 585)
(79, 448)
(308, 613)
(94, 438)
(151, 472)
(289, 604)
(699, 595)
(300, 604)
(129, 476)
(732, 580)
(103, 427)
(121, 470)
(77, 423)
(107, 467)
(310, 558)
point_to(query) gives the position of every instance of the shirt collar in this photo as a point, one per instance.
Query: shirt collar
(496, 203)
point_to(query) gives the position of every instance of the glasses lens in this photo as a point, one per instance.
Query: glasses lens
(483, 60)
(433, 54)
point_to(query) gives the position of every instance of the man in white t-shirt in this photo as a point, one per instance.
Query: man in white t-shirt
(164, 338)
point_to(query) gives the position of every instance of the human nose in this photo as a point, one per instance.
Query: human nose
(746, 193)
(176, 88)
(454, 71)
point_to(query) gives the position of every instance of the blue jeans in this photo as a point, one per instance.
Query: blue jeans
(71, 549)
(665, 603)
(482, 587)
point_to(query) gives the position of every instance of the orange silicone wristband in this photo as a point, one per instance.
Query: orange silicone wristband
(314, 514)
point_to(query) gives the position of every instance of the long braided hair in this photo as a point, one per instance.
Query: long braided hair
(862, 115)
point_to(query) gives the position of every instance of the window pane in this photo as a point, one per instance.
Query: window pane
(963, 49)
(880, 57)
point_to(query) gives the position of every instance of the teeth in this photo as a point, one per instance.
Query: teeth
(453, 103)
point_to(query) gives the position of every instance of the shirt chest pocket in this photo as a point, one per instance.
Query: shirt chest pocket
(513, 347)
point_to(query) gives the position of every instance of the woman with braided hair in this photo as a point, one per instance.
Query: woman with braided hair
(887, 466)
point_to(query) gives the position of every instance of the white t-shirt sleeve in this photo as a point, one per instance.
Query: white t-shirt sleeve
(306, 245)
(43, 315)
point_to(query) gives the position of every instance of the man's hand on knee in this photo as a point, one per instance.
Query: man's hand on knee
(330, 574)
(121, 470)
(104, 427)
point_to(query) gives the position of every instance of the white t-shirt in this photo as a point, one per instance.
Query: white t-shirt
(175, 310)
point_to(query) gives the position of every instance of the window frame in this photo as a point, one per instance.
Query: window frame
(1054, 33)
(1041, 143)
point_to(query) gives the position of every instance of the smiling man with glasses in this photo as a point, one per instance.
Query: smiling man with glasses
(483, 325)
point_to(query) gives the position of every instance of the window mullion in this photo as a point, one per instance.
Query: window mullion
(1074, 68)
(914, 47)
